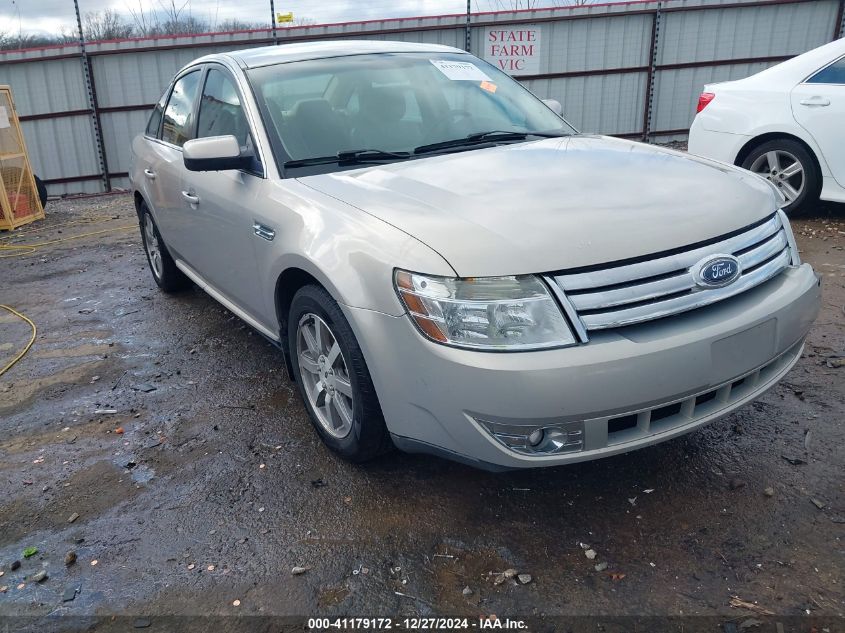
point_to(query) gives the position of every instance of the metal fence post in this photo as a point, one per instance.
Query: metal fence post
(467, 28)
(273, 22)
(840, 32)
(92, 102)
(652, 69)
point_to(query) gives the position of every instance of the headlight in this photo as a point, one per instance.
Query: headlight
(485, 313)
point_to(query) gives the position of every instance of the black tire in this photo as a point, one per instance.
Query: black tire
(42, 191)
(368, 437)
(809, 195)
(170, 279)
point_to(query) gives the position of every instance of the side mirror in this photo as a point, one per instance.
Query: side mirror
(215, 153)
(554, 106)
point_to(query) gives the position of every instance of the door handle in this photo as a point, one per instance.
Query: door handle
(264, 232)
(150, 174)
(191, 198)
(815, 101)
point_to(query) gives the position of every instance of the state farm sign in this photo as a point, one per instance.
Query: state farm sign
(514, 50)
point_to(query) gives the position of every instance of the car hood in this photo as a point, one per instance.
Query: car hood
(554, 204)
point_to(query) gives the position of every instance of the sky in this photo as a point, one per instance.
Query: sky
(51, 17)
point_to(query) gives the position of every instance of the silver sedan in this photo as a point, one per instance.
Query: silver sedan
(450, 268)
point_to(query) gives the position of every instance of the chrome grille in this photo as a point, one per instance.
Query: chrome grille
(655, 288)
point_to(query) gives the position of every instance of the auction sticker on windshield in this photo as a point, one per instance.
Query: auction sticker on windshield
(459, 71)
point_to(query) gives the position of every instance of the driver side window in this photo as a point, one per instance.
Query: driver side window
(221, 112)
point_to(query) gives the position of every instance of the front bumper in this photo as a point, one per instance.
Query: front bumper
(631, 387)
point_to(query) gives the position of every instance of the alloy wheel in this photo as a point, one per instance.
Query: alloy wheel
(325, 375)
(153, 247)
(784, 170)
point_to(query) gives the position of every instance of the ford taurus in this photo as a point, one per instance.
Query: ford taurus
(450, 268)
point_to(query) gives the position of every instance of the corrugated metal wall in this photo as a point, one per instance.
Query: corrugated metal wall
(598, 61)
(744, 34)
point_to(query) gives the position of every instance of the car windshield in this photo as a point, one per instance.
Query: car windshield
(394, 103)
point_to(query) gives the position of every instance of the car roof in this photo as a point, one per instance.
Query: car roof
(266, 55)
(798, 68)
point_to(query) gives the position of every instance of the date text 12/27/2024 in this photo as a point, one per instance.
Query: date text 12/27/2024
(490, 622)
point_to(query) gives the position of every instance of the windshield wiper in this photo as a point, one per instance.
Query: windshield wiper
(484, 137)
(349, 157)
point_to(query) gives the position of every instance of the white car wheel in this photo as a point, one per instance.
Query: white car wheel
(788, 165)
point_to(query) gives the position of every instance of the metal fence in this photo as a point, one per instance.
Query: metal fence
(628, 69)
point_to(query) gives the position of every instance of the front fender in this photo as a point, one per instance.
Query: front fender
(351, 253)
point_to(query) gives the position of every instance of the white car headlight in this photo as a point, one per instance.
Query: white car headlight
(484, 313)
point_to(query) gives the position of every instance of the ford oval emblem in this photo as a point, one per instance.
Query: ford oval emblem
(717, 271)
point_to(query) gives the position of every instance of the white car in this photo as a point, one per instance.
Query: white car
(786, 123)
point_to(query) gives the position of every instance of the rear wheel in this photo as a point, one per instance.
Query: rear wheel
(165, 272)
(333, 378)
(790, 167)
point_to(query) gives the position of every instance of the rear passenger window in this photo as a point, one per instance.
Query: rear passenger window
(833, 74)
(178, 115)
(221, 112)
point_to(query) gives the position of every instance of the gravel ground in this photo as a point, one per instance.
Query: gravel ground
(158, 439)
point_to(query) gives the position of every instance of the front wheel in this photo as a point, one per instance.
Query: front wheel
(790, 167)
(333, 378)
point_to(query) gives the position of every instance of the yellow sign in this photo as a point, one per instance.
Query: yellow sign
(284, 17)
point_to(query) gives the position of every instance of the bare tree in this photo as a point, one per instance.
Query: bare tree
(145, 21)
(177, 19)
(511, 5)
(169, 17)
(105, 25)
(96, 27)
(172, 11)
(173, 17)
(516, 5)
(24, 40)
(186, 25)
(67, 36)
(234, 24)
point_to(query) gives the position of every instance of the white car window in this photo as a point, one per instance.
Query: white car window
(833, 74)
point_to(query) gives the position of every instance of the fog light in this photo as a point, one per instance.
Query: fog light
(536, 437)
(551, 438)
